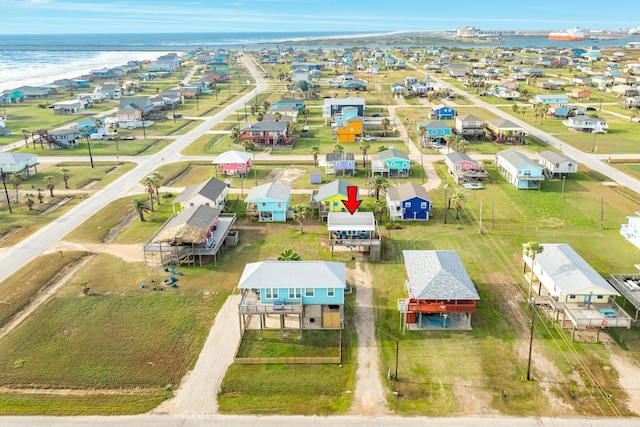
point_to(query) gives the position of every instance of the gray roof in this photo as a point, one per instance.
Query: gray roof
(438, 275)
(504, 124)
(264, 125)
(570, 273)
(555, 157)
(407, 191)
(392, 153)
(198, 216)
(334, 157)
(273, 191)
(354, 100)
(468, 118)
(456, 157)
(63, 131)
(344, 221)
(517, 159)
(331, 189)
(138, 102)
(293, 274)
(211, 189)
(434, 125)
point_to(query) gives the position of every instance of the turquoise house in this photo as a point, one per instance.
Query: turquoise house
(435, 131)
(312, 290)
(397, 162)
(269, 202)
(298, 104)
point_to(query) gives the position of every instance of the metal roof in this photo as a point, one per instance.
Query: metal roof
(211, 189)
(333, 188)
(392, 153)
(273, 191)
(407, 191)
(232, 157)
(555, 157)
(455, 157)
(344, 221)
(293, 274)
(438, 275)
(517, 159)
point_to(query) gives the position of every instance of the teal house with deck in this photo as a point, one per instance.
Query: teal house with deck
(269, 202)
(303, 294)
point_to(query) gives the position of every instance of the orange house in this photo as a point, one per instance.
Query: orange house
(350, 130)
(580, 93)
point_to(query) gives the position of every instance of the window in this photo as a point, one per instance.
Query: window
(279, 204)
(407, 204)
(572, 297)
(331, 292)
(599, 296)
(263, 204)
(309, 292)
(295, 293)
(271, 293)
(423, 205)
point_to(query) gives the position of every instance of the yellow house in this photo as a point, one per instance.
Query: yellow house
(350, 130)
(329, 197)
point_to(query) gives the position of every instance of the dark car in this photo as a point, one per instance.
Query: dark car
(375, 115)
(591, 108)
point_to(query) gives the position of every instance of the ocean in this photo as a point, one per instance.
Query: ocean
(41, 59)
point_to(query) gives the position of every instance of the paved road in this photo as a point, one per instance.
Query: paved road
(296, 421)
(21, 254)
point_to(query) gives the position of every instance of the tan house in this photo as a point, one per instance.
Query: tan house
(581, 94)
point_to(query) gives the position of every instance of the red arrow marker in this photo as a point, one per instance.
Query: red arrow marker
(351, 203)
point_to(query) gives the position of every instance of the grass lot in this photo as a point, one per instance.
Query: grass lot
(315, 343)
(631, 167)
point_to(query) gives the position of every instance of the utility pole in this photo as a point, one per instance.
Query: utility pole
(6, 193)
(480, 230)
(89, 146)
(445, 203)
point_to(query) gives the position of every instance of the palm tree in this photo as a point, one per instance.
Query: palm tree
(381, 148)
(422, 134)
(378, 183)
(235, 133)
(40, 196)
(452, 140)
(148, 181)
(25, 134)
(50, 184)
(29, 201)
(65, 177)
(141, 206)
(260, 116)
(300, 214)
(278, 116)
(288, 255)
(157, 183)
(458, 197)
(266, 105)
(379, 208)
(515, 108)
(456, 143)
(338, 148)
(116, 139)
(385, 123)
(315, 150)
(531, 249)
(364, 146)
(16, 179)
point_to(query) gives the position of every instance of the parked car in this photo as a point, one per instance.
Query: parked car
(591, 108)
(375, 115)
(368, 138)
(436, 146)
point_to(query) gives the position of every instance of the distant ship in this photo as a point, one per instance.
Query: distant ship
(571, 35)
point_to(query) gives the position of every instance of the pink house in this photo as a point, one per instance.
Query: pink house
(464, 168)
(233, 163)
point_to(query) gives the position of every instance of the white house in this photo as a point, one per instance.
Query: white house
(631, 230)
(212, 192)
(587, 124)
(557, 163)
(522, 172)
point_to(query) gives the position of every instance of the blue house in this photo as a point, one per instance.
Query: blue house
(269, 202)
(391, 162)
(551, 99)
(343, 162)
(434, 131)
(408, 201)
(442, 112)
(332, 106)
(522, 172)
(312, 290)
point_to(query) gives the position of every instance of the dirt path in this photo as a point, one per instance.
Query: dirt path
(129, 253)
(369, 398)
(44, 294)
(629, 377)
(199, 389)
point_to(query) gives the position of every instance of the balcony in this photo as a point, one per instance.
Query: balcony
(251, 304)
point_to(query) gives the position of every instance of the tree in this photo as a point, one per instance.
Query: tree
(315, 150)
(458, 197)
(422, 135)
(148, 182)
(364, 146)
(254, 109)
(338, 148)
(40, 196)
(379, 208)
(378, 183)
(457, 143)
(382, 148)
(248, 145)
(50, 184)
(25, 134)
(16, 180)
(235, 133)
(65, 177)
(266, 105)
(141, 207)
(300, 214)
(278, 116)
(515, 108)
(531, 249)
(85, 287)
(260, 116)
(385, 123)
(157, 183)
(29, 201)
(289, 255)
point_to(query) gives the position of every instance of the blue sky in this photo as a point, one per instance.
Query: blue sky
(161, 16)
